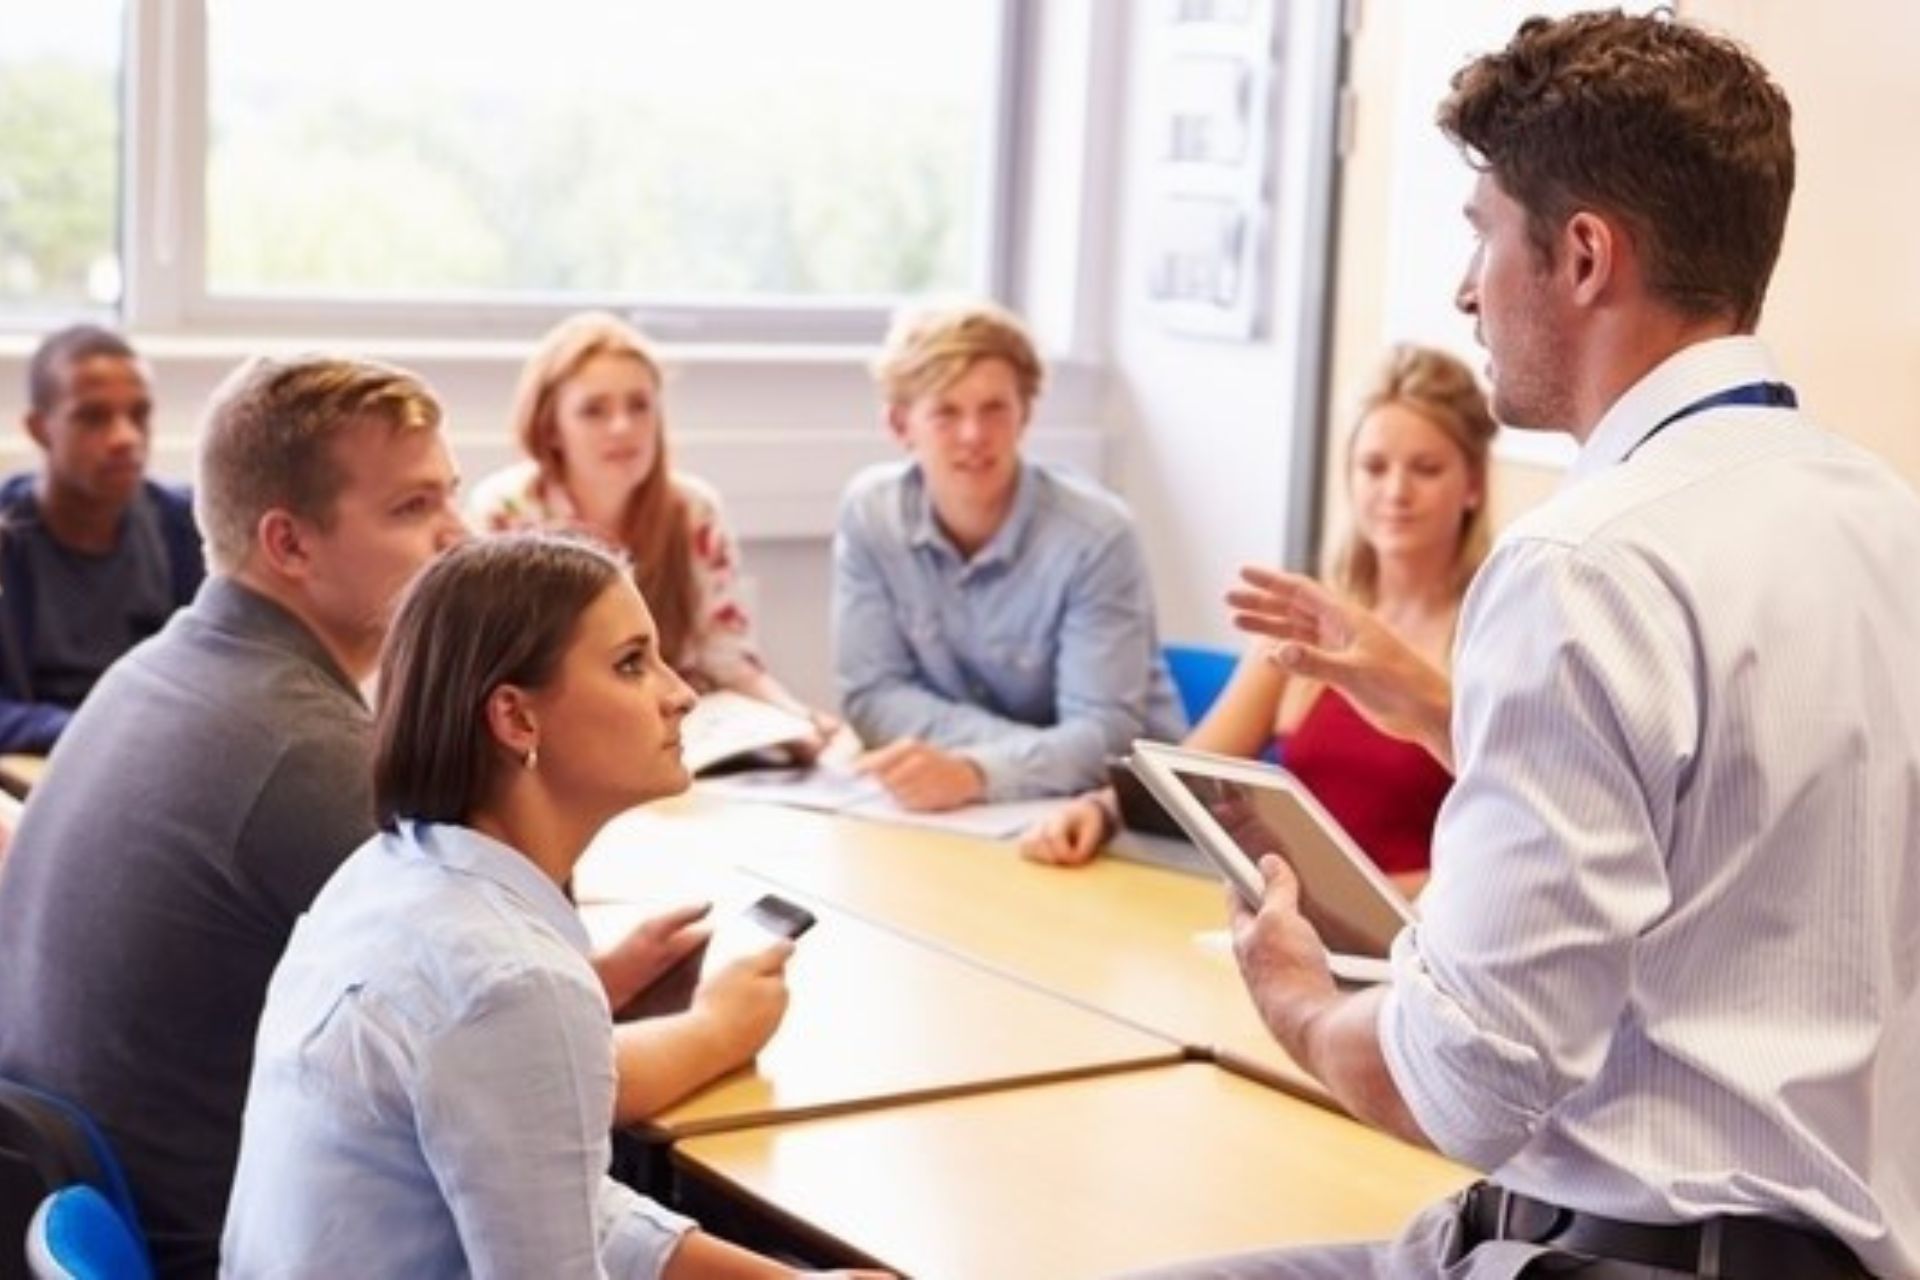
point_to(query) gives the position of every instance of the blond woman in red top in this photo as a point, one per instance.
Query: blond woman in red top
(1416, 482)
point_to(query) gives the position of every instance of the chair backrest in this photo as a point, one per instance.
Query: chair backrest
(46, 1144)
(1199, 672)
(77, 1234)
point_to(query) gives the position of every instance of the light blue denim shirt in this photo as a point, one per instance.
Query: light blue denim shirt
(1036, 659)
(433, 1082)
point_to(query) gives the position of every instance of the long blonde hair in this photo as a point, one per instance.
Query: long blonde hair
(653, 527)
(1444, 391)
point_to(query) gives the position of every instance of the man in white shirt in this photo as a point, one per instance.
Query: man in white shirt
(1665, 987)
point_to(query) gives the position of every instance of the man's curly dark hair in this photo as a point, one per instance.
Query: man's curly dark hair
(1677, 133)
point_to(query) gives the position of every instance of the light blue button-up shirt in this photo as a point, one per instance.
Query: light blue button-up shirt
(1036, 659)
(1668, 966)
(433, 1082)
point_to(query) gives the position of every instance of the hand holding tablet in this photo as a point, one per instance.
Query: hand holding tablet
(1238, 811)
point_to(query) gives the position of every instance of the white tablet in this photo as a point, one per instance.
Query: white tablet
(1237, 811)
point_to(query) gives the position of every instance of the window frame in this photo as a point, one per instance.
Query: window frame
(163, 221)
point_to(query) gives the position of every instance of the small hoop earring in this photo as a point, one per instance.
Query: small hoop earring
(532, 757)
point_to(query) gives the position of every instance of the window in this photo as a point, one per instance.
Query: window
(727, 169)
(59, 157)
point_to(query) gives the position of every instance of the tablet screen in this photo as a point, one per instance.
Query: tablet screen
(1139, 811)
(1336, 897)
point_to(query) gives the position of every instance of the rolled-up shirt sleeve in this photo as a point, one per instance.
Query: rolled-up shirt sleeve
(637, 1236)
(513, 1107)
(1575, 726)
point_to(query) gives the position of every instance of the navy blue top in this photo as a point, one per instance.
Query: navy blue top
(40, 688)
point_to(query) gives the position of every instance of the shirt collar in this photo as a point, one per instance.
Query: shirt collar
(468, 852)
(923, 529)
(229, 606)
(1676, 382)
(30, 511)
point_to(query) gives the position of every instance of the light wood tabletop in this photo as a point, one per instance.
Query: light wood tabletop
(1082, 1179)
(22, 770)
(877, 1018)
(1138, 942)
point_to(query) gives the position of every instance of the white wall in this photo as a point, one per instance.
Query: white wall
(1844, 310)
(1205, 427)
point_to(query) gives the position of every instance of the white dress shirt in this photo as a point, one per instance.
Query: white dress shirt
(1669, 962)
(434, 1081)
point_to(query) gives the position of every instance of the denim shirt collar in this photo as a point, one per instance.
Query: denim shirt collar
(468, 852)
(924, 531)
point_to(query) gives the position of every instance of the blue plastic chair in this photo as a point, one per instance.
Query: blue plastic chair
(1200, 672)
(77, 1234)
(49, 1146)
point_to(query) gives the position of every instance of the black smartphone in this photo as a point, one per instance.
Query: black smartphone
(779, 917)
(672, 991)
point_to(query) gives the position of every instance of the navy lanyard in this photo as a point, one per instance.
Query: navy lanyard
(1770, 395)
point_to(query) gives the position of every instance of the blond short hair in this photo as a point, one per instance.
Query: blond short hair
(267, 441)
(928, 349)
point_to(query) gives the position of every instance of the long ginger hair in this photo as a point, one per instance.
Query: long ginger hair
(653, 527)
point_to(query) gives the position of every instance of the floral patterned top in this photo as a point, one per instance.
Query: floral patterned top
(719, 651)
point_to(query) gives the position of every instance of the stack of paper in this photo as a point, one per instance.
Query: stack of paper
(834, 789)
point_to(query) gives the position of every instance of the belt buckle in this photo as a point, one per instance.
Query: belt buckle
(1530, 1221)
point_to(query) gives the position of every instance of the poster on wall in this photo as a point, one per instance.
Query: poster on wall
(1215, 64)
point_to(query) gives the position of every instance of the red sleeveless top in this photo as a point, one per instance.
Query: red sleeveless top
(1384, 791)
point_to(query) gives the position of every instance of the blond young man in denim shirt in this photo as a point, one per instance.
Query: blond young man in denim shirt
(994, 634)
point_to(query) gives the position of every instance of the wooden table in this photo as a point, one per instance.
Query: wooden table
(20, 772)
(879, 1018)
(1140, 943)
(1080, 1179)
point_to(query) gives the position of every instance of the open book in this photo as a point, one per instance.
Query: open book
(728, 728)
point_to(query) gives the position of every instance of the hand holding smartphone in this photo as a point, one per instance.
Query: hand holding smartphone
(779, 917)
(672, 991)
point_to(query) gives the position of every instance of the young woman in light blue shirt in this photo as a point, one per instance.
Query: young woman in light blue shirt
(434, 1075)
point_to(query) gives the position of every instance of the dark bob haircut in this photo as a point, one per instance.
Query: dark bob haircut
(493, 611)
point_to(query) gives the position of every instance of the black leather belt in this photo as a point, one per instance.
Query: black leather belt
(1728, 1248)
